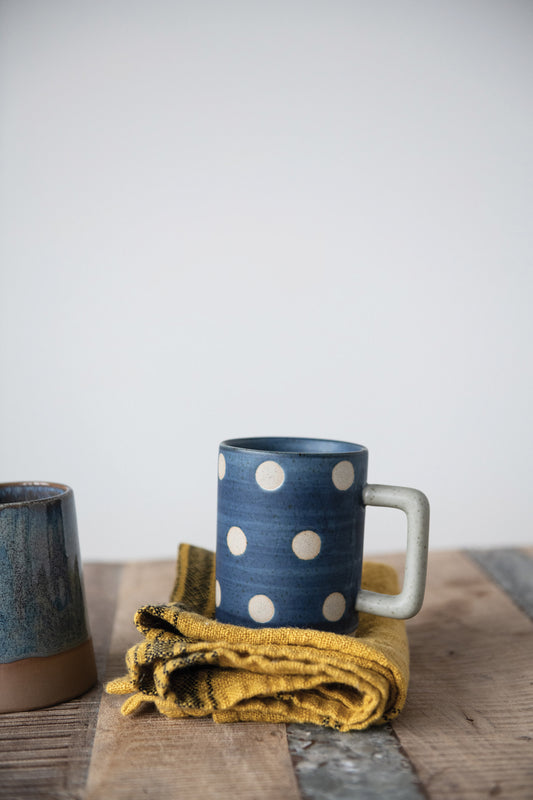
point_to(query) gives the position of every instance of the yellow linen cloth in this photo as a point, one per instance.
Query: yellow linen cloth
(189, 665)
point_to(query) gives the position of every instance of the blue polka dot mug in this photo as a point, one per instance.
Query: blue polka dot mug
(290, 535)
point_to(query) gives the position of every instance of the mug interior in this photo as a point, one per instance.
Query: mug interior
(28, 492)
(290, 444)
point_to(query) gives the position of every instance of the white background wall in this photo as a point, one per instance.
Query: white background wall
(250, 218)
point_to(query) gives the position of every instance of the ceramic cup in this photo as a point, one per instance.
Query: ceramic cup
(46, 652)
(290, 535)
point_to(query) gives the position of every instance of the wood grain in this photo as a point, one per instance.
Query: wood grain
(150, 755)
(46, 753)
(512, 570)
(467, 724)
(466, 731)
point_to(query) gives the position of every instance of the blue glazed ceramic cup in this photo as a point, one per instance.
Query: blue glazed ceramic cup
(46, 652)
(290, 530)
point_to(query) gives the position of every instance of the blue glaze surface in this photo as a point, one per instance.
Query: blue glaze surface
(257, 553)
(42, 608)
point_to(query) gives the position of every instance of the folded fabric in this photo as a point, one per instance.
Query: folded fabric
(189, 665)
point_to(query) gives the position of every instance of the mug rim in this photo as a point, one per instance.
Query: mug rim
(64, 490)
(259, 444)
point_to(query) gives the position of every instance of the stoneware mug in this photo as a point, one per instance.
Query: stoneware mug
(46, 652)
(290, 535)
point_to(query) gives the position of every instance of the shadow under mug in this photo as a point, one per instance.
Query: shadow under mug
(290, 526)
(46, 651)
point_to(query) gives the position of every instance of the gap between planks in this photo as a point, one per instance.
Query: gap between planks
(467, 724)
(46, 753)
(148, 754)
(466, 727)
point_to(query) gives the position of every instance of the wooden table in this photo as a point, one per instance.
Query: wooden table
(466, 731)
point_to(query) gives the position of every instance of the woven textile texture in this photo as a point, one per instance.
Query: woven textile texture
(189, 665)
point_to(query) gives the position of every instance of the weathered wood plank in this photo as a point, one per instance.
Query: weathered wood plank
(513, 570)
(101, 590)
(150, 755)
(367, 765)
(46, 753)
(466, 726)
(467, 723)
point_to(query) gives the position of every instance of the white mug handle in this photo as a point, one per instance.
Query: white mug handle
(415, 505)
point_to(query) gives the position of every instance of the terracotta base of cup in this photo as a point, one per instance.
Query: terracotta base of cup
(38, 682)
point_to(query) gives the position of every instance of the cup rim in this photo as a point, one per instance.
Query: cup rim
(260, 444)
(64, 490)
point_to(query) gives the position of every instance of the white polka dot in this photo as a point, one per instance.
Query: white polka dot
(343, 475)
(221, 466)
(269, 475)
(218, 594)
(334, 606)
(236, 540)
(261, 608)
(306, 545)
